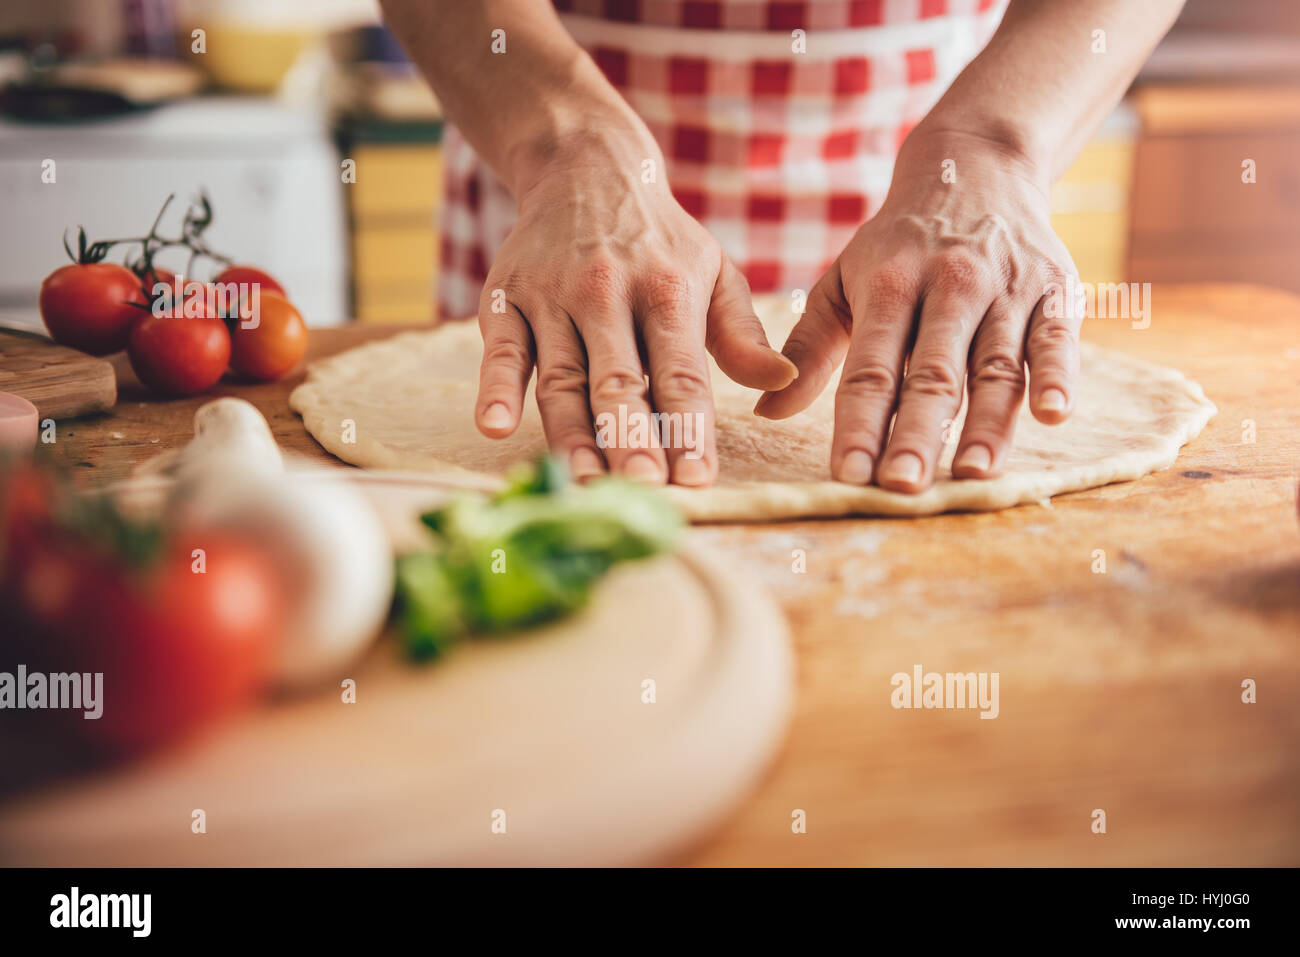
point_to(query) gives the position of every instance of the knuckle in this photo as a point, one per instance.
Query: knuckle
(505, 351)
(999, 366)
(959, 272)
(1053, 335)
(889, 285)
(934, 376)
(680, 382)
(1048, 278)
(871, 378)
(1053, 273)
(562, 378)
(617, 385)
(667, 296)
(601, 279)
(513, 285)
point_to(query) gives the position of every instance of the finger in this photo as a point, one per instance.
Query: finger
(932, 389)
(868, 389)
(816, 346)
(562, 391)
(618, 395)
(1052, 351)
(672, 329)
(996, 386)
(735, 338)
(507, 365)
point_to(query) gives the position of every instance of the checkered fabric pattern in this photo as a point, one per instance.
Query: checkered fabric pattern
(780, 143)
(766, 14)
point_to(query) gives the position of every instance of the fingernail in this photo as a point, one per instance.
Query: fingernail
(762, 401)
(584, 463)
(856, 467)
(976, 457)
(691, 472)
(905, 468)
(643, 469)
(788, 374)
(497, 416)
(1052, 400)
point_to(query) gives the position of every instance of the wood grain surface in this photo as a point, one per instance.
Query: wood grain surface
(547, 728)
(59, 381)
(1119, 691)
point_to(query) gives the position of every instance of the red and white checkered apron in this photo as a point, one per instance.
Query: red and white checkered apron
(780, 154)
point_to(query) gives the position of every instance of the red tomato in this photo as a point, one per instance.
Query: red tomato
(159, 277)
(199, 298)
(272, 348)
(176, 645)
(151, 278)
(248, 275)
(178, 354)
(190, 288)
(161, 286)
(85, 306)
(27, 496)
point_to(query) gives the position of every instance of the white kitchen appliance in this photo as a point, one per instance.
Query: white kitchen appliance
(272, 172)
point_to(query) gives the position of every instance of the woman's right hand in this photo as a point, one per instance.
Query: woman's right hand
(605, 280)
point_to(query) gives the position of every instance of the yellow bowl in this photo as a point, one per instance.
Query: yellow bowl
(250, 60)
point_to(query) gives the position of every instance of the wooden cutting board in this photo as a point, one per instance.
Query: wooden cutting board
(62, 383)
(548, 734)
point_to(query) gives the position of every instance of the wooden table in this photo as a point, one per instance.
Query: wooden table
(1119, 691)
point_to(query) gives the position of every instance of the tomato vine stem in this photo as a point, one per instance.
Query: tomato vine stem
(197, 218)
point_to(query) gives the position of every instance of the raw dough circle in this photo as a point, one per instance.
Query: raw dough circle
(407, 403)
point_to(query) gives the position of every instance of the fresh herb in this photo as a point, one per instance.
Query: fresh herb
(527, 555)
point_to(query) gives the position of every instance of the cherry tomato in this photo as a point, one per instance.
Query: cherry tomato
(27, 496)
(162, 289)
(87, 306)
(198, 298)
(272, 348)
(177, 642)
(150, 278)
(249, 275)
(179, 354)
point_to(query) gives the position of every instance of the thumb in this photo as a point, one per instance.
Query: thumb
(816, 346)
(735, 338)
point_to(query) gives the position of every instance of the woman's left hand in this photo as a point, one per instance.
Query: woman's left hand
(943, 288)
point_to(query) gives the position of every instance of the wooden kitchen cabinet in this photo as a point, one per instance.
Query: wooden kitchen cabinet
(1193, 217)
(394, 210)
(1090, 202)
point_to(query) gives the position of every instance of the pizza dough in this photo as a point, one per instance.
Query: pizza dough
(407, 403)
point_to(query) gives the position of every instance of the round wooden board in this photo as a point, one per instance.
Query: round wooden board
(546, 732)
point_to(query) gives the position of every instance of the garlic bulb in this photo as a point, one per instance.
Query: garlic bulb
(326, 538)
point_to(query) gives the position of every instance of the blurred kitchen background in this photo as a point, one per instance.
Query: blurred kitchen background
(289, 89)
